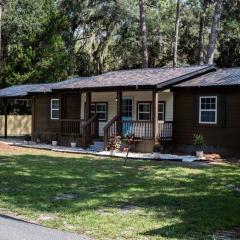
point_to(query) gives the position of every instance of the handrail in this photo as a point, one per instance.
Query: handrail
(108, 127)
(71, 120)
(90, 120)
(114, 119)
(90, 130)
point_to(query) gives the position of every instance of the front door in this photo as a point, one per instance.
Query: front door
(127, 109)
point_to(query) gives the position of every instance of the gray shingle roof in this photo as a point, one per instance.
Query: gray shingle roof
(127, 78)
(222, 77)
(24, 90)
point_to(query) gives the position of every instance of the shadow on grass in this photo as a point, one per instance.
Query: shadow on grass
(195, 200)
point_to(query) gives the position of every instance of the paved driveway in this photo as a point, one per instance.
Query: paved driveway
(15, 229)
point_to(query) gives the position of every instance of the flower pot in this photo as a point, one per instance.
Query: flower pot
(73, 144)
(54, 143)
(156, 155)
(199, 154)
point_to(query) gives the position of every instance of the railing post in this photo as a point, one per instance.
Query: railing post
(155, 117)
(5, 119)
(119, 113)
(88, 106)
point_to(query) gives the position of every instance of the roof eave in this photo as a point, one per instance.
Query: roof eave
(108, 88)
(172, 82)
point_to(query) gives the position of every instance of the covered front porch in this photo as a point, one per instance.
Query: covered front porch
(148, 115)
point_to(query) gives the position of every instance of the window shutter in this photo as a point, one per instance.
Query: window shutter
(195, 110)
(222, 111)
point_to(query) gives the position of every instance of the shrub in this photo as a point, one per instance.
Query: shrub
(198, 141)
(27, 138)
(55, 137)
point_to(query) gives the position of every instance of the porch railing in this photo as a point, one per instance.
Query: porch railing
(72, 126)
(141, 129)
(110, 129)
(90, 130)
(165, 131)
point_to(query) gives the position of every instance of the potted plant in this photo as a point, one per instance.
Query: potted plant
(199, 144)
(73, 142)
(55, 140)
(156, 151)
(27, 139)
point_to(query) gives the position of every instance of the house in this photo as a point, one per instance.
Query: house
(164, 105)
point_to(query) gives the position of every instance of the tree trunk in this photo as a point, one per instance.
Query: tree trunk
(201, 32)
(214, 32)
(1, 11)
(177, 24)
(143, 29)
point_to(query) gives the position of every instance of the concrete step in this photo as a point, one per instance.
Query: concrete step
(97, 146)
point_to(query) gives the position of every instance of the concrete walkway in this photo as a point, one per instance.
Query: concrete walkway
(132, 155)
(15, 229)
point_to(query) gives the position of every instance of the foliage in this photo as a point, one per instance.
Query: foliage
(33, 49)
(198, 141)
(115, 143)
(55, 137)
(48, 40)
(27, 137)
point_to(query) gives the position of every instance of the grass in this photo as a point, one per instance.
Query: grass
(145, 200)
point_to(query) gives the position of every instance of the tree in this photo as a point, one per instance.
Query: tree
(214, 32)
(202, 23)
(177, 24)
(143, 29)
(33, 45)
(1, 12)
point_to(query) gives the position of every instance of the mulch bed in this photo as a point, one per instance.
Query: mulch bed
(5, 147)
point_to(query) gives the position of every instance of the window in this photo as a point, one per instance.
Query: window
(100, 109)
(54, 109)
(208, 110)
(144, 111)
(161, 111)
(127, 107)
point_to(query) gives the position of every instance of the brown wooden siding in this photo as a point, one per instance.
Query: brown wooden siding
(72, 107)
(225, 134)
(43, 123)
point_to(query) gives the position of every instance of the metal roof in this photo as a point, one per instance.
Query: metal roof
(222, 77)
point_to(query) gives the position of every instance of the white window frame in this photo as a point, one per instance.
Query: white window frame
(55, 109)
(150, 108)
(208, 110)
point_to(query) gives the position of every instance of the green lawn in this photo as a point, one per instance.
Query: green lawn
(145, 200)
